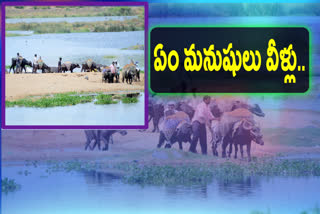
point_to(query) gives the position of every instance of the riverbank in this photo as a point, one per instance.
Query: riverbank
(65, 11)
(136, 24)
(43, 145)
(19, 86)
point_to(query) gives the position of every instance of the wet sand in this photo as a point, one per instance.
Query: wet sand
(19, 86)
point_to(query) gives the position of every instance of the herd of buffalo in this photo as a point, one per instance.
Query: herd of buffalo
(235, 126)
(129, 72)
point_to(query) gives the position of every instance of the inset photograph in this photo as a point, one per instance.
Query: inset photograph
(68, 65)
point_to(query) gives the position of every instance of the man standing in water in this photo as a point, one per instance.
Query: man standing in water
(59, 65)
(202, 117)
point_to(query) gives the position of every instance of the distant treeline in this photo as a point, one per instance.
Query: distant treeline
(136, 24)
(233, 9)
(69, 11)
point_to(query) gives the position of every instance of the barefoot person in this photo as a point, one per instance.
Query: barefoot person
(59, 65)
(202, 117)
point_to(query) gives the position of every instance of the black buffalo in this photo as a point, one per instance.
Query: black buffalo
(98, 135)
(23, 64)
(69, 67)
(242, 133)
(181, 134)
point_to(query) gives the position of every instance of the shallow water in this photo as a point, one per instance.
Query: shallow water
(81, 114)
(21, 32)
(69, 19)
(102, 47)
(92, 192)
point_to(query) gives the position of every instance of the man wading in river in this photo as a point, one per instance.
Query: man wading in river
(202, 117)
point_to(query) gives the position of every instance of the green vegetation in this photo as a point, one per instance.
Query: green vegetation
(135, 47)
(307, 136)
(51, 101)
(9, 185)
(16, 34)
(70, 98)
(105, 99)
(109, 56)
(129, 100)
(78, 27)
(134, 172)
(70, 166)
(73, 11)
(158, 175)
(226, 171)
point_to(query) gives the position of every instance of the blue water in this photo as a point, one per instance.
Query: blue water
(91, 192)
(81, 114)
(78, 47)
(21, 32)
(69, 19)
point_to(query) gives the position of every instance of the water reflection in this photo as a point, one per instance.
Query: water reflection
(81, 114)
(99, 178)
(241, 188)
(105, 193)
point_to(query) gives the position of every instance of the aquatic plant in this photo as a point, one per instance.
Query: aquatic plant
(129, 100)
(9, 185)
(51, 101)
(134, 47)
(195, 173)
(226, 171)
(103, 99)
(69, 166)
(16, 34)
(158, 175)
(109, 56)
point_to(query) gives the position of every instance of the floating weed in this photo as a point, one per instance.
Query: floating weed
(166, 174)
(109, 56)
(55, 100)
(9, 185)
(69, 166)
(226, 171)
(134, 47)
(129, 100)
(105, 99)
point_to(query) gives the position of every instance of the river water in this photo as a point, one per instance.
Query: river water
(92, 192)
(80, 114)
(101, 47)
